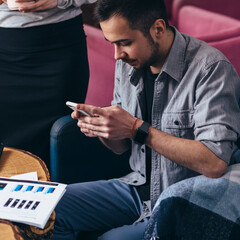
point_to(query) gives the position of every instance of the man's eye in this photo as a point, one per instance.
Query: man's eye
(126, 44)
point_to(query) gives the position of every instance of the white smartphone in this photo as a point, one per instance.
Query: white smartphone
(73, 106)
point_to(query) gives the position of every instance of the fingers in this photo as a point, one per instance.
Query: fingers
(87, 123)
(103, 124)
(92, 127)
(88, 134)
(30, 7)
(75, 115)
(92, 133)
(92, 130)
(95, 111)
(36, 5)
(24, 1)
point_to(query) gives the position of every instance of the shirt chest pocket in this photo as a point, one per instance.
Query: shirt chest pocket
(179, 124)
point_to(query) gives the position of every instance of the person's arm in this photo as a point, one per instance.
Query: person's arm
(39, 5)
(216, 125)
(113, 126)
(116, 146)
(191, 154)
(76, 3)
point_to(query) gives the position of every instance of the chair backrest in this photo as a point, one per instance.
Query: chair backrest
(203, 23)
(101, 65)
(218, 30)
(229, 8)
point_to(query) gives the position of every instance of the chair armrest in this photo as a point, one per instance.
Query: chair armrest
(77, 158)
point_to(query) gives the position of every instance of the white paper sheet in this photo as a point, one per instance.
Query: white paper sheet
(29, 201)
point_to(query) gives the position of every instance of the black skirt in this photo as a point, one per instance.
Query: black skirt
(40, 69)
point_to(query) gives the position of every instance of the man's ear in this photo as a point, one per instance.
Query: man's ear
(158, 29)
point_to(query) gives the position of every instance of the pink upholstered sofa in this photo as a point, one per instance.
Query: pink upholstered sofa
(218, 30)
(230, 47)
(102, 65)
(200, 22)
(229, 7)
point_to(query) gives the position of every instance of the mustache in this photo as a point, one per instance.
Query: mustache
(128, 60)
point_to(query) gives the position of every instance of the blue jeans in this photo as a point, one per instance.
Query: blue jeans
(110, 206)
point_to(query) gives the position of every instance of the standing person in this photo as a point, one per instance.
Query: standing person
(44, 63)
(175, 105)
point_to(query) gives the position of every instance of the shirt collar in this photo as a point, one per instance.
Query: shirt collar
(174, 63)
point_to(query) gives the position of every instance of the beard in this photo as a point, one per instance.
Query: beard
(153, 58)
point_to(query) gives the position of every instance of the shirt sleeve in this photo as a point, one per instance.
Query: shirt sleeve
(63, 4)
(217, 112)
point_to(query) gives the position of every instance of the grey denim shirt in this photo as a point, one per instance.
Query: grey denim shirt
(195, 97)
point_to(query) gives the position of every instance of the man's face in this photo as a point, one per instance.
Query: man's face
(131, 46)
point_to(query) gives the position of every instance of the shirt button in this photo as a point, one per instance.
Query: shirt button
(176, 122)
(142, 149)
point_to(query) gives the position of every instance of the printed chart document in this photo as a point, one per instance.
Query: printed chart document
(29, 201)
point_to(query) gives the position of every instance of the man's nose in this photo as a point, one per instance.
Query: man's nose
(118, 53)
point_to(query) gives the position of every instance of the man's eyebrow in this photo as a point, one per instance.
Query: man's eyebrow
(118, 41)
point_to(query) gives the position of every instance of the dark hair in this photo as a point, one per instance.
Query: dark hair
(140, 14)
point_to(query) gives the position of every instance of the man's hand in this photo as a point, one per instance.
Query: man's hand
(36, 5)
(112, 122)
